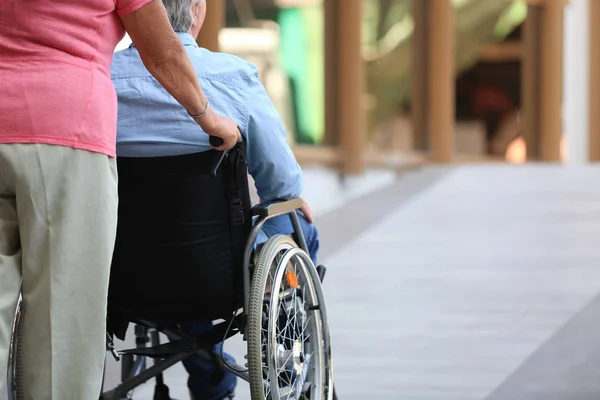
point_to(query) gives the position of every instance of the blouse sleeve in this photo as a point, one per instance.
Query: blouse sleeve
(126, 6)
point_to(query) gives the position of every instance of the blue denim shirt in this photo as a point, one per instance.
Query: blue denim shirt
(151, 123)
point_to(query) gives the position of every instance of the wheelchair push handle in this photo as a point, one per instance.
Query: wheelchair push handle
(215, 141)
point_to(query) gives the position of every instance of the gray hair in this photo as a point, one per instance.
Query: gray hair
(180, 14)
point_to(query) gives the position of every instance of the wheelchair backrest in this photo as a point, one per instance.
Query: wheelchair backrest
(181, 236)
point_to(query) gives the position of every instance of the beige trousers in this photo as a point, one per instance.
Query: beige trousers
(58, 215)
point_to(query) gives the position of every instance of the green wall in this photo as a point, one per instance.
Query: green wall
(302, 59)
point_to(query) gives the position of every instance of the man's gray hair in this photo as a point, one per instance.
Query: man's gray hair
(180, 13)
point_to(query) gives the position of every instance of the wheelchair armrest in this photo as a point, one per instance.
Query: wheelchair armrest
(273, 208)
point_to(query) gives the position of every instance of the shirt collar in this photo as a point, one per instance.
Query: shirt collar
(186, 38)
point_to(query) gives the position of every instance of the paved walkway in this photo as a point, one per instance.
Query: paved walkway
(478, 282)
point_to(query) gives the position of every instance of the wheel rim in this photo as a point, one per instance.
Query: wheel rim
(294, 332)
(15, 384)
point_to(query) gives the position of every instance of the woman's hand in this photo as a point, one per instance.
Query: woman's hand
(225, 128)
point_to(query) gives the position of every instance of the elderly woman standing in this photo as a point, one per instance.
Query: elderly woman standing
(58, 181)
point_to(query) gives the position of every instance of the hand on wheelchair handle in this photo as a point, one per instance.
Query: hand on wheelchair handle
(216, 141)
(225, 129)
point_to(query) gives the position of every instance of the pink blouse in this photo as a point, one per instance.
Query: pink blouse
(55, 85)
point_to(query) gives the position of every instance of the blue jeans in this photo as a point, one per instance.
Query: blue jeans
(200, 370)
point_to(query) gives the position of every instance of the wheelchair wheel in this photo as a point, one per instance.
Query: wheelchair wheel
(14, 381)
(289, 354)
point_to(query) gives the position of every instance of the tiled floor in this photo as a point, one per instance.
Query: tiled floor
(480, 282)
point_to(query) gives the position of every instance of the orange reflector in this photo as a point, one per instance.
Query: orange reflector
(292, 279)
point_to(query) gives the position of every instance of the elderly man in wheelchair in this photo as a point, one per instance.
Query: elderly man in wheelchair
(186, 252)
(193, 259)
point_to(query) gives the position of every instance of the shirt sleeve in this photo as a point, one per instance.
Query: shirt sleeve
(271, 162)
(125, 7)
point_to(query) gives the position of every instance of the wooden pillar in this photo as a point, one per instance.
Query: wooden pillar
(351, 123)
(576, 82)
(594, 90)
(345, 105)
(214, 21)
(332, 40)
(419, 76)
(441, 98)
(530, 81)
(551, 80)
(542, 79)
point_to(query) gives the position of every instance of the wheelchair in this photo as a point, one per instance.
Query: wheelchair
(278, 307)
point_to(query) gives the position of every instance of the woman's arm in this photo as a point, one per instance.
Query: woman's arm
(165, 58)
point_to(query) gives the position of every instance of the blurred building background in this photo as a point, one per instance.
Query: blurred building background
(390, 82)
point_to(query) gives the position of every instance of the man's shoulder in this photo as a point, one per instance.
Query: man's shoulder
(223, 67)
(127, 63)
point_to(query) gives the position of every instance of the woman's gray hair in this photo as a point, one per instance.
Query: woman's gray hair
(180, 14)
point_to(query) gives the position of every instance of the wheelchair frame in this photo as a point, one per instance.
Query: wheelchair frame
(135, 374)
